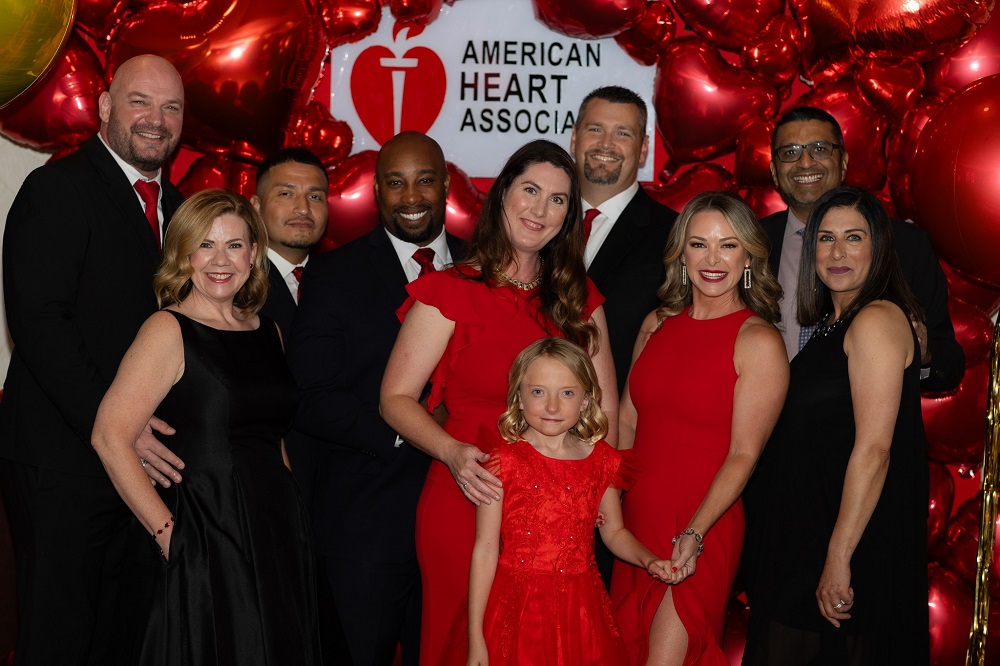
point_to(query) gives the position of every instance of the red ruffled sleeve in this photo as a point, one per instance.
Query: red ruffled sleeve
(595, 299)
(628, 470)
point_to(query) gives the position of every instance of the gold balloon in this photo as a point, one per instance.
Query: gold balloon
(32, 33)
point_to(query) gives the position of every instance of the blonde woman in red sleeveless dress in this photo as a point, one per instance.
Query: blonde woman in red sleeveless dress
(708, 379)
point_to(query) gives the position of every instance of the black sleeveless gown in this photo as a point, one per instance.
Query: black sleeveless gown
(792, 505)
(240, 584)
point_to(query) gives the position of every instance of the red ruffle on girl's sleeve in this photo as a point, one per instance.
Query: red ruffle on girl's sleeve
(452, 295)
(627, 473)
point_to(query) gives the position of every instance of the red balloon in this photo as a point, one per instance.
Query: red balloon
(692, 180)
(753, 155)
(955, 180)
(949, 604)
(978, 58)
(973, 330)
(864, 131)
(942, 495)
(972, 290)
(827, 31)
(60, 110)
(773, 53)
(465, 202)
(215, 170)
(702, 102)
(353, 210)
(956, 422)
(647, 40)
(590, 18)
(959, 546)
(891, 86)
(901, 148)
(729, 24)
(247, 65)
(330, 139)
(764, 201)
(97, 17)
(921, 30)
(420, 12)
(347, 21)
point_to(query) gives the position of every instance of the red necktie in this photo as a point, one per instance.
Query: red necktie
(150, 193)
(297, 272)
(425, 257)
(588, 223)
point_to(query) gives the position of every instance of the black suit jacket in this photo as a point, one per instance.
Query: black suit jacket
(366, 488)
(279, 306)
(927, 281)
(628, 270)
(78, 264)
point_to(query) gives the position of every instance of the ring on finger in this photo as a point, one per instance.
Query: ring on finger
(464, 485)
(840, 605)
(142, 461)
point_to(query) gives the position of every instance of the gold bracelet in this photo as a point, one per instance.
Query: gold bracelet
(690, 532)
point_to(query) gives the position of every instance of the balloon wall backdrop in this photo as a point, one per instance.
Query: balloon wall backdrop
(915, 85)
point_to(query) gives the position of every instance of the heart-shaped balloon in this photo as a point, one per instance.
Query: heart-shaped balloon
(420, 12)
(971, 289)
(96, 18)
(753, 155)
(827, 36)
(692, 180)
(956, 422)
(330, 139)
(902, 146)
(219, 171)
(649, 37)
(942, 495)
(891, 86)
(353, 211)
(347, 21)
(60, 110)
(958, 548)
(588, 19)
(921, 30)
(973, 330)
(864, 130)
(949, 603)
(246, 65)
(978, 58)
(764, 201)
(702, 102)
(729, 24)
(955, 179)
(773, 53)
(464, 203)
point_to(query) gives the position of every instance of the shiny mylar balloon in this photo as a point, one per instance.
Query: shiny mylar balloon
(764, 200)
(246, 65)
(971, 289)
(973, 330)
(956, 422)
(702, 102)
(347, 21)
(32, 33)
(330, 139)
(827, 33)
(902, 146)
(921, 30)
(978, 58)
(353, 211)
(773, 53)
(60, 111)
(942, 495)
(891, 86)
(219, 171)
(729, 24)
(649, 37)
(949, 603)
(464, 203)
(955, 179)
(864, 130)
(690, 181)
(98, 17)
(958, 548)
(753, 155)
(589, 18)
(420, 12)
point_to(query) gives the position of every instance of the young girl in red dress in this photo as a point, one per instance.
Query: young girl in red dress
(535, 595)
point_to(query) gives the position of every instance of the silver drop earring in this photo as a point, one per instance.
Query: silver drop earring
(747, 281)
(684, 274)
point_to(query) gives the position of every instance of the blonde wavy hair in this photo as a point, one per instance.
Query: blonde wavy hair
(593, 424)
(188, 228)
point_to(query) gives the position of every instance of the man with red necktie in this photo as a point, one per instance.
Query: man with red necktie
(369, 480)
(97, 216)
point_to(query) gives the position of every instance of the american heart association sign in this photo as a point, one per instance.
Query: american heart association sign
(394, 93)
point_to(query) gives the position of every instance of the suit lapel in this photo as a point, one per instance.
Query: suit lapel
(626, 232)
(385, 264)
(124, 198)
(774, 226)
(279, 289)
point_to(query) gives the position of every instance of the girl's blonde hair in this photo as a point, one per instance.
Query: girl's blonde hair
(593, 424)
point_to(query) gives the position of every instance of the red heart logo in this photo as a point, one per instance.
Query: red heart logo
(393, 94)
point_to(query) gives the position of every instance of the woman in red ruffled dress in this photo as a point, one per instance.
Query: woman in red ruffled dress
(463, 327)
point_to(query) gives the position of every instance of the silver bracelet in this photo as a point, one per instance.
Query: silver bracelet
(690, 532)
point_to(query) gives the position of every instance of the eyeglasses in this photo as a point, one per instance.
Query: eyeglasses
(818, 150)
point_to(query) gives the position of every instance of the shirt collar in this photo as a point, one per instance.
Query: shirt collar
(405, 250)
(793, 224)
(130, 171)
(284, 266)
(614, 206)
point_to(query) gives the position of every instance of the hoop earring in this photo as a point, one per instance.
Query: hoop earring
(684, 275)
(747, 281)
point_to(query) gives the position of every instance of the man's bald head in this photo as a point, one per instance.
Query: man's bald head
(142, 113)
(411, 185)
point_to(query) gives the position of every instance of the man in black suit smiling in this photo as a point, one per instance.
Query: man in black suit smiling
(368, 481)
(80, 248)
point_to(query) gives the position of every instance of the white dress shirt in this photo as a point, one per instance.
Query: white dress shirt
(611, 210)
(405, 250)
(133, 175)
(285, 269)
(788, 278)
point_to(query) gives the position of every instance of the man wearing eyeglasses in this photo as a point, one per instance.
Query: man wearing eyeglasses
(808, 158)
